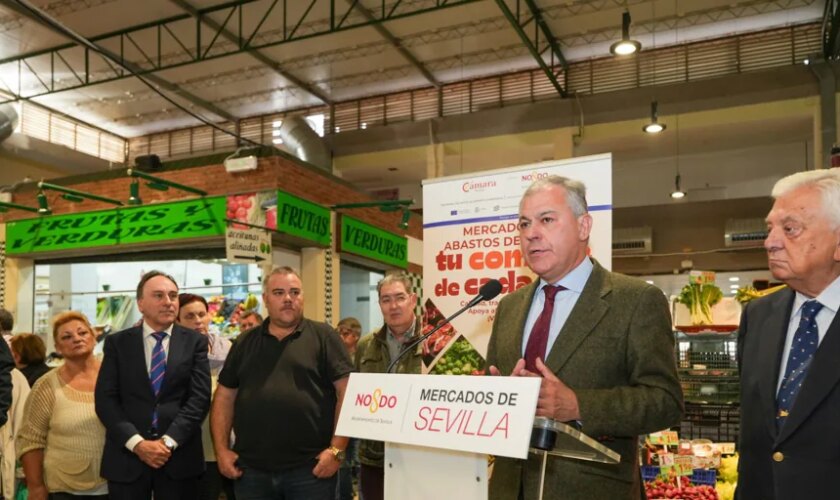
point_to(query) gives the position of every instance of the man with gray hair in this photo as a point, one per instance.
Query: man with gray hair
(600, 341)
(281, 391)
(373, 355)
(789, 347)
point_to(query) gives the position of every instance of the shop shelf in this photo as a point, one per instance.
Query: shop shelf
(710, 389)
(717, 422)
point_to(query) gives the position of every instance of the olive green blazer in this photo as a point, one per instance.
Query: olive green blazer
(616, 351)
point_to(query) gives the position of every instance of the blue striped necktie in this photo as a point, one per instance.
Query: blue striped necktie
(805, 342)
(158, 370)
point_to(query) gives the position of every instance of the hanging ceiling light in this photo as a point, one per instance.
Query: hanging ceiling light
(678, 192)
(654, 127)
(625, 46)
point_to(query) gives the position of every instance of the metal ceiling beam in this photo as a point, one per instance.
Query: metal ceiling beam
(537, 47)
(131, 67)
(396, 43)
(256, 54)
(144, 45)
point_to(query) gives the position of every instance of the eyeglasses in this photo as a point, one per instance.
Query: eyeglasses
(387, 300)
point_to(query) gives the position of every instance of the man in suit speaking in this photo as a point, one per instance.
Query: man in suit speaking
(789, 347)
(601, 342)
(152, 395)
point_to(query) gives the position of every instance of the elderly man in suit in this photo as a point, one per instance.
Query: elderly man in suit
(789, 347)
(601, 342)
(152, 395)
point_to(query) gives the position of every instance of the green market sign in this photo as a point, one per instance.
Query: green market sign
(302, 218)
(122, 226)
(373, 243)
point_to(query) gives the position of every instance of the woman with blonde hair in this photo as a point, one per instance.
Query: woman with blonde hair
(61, 441)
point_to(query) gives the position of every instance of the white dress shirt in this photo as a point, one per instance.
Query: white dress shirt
(830, 299)
(149, 343)
(564, 301)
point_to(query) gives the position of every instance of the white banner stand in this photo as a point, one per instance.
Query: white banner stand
(421, 473)
(438, 430)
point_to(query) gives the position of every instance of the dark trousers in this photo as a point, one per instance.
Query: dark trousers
(292, 484)
(371, 482)
(154, 481)
(213, 483)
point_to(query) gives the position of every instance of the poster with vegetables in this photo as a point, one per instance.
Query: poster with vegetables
(471, 236)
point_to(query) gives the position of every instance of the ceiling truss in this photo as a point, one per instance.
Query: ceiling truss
(143, 46)
(528, 18)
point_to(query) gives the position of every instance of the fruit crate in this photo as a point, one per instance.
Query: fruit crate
(698, 476)
(716, 422)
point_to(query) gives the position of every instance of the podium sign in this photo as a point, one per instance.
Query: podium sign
(492, 415)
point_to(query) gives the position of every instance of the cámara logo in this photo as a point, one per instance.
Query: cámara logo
(376, 400)
(477, 185)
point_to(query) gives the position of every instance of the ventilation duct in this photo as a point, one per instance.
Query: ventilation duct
(632, 241)
(745, 232)
(8, 121)
(299, 138)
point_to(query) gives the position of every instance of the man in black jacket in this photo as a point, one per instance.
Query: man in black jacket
(152, 394)
(789, 344)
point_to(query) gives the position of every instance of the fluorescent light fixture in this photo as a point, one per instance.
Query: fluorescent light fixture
(734, 278)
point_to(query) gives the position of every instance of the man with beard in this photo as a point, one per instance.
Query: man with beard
(373, 355)
(152, 394)
(281, 391)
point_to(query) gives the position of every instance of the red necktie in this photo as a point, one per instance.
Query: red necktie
(538, 341)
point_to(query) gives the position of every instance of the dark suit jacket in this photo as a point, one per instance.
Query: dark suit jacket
(616, 351)
(807, 449)
(125, 401)
(7, 363)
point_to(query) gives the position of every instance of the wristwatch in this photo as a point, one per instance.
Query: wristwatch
(338, 454)
(169, 443)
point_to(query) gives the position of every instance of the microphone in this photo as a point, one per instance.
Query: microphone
(488, 291)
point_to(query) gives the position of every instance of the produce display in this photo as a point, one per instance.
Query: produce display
(727, 477)
(748, 293)
(699, 298)
(460, 359)
(688, 469)
(681, 488)
(225, 312)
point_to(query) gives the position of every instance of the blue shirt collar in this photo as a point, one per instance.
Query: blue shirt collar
(576, 279)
